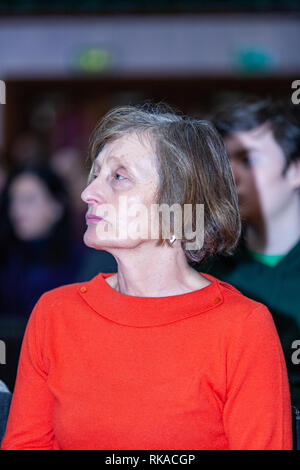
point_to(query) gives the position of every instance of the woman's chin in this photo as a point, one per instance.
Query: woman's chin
(92, 241)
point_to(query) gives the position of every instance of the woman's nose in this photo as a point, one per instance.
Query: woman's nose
(84, 195)
(88, 197)
(92, 194)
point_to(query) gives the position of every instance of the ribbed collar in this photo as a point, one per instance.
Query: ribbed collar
(134, 311)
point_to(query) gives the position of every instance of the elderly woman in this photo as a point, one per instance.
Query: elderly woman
(157, 355)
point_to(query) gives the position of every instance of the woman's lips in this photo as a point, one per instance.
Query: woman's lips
(92, 218)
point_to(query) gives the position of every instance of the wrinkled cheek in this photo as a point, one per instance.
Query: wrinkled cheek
(106, 230)
(133, 228)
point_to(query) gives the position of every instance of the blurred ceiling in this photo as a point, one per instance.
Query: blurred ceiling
(16, 7)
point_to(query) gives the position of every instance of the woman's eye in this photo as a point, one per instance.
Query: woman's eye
(119, 177)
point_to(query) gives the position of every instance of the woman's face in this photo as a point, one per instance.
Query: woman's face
(122, 189)
(32, 210)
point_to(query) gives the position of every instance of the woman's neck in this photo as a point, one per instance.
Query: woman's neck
(151, 271)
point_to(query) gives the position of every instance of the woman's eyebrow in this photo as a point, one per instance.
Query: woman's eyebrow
(116, 160)
(122, 165)
(119, 161)
(111, 158)
(96, 164)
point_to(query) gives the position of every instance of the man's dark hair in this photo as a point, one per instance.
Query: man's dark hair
(244, 113)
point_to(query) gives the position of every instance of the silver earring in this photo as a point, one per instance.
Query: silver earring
(172, 239)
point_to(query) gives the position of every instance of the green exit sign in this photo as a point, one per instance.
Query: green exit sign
(93, 60)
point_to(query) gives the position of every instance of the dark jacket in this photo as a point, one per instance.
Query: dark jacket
(5, 398)
(278, 288)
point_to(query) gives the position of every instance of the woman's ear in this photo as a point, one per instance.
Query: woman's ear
(293, 174)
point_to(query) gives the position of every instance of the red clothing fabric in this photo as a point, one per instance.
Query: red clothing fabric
(104, 370)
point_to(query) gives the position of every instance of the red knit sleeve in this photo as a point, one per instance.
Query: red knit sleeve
(29, 423)
(257, 412)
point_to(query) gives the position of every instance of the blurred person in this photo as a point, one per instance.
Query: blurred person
(3, 177)
(28, 148)
(5, 399)
(38, 250)
(262, 138)
(68, 163)
(156, 355)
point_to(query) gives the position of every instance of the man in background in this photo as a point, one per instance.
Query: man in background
(263, 143)
(5, 399)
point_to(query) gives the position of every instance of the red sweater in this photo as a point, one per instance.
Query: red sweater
(104, 370)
